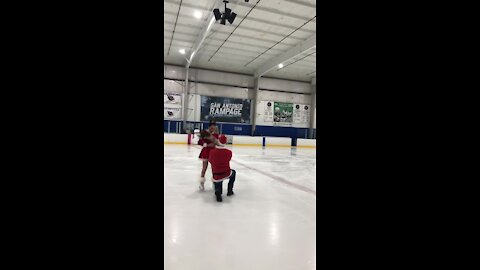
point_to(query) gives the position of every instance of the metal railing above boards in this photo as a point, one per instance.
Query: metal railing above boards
(173, 126)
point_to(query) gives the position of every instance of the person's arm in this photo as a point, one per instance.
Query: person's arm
(213, 141)
(205, 142)
(216, 142)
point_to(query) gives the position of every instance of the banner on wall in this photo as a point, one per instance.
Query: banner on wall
(301, 113)
(283, 113)
(268, 111)
(224, 109)
(172, 106)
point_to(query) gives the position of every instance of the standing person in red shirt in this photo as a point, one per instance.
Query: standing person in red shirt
(207, 140)
(220, 159)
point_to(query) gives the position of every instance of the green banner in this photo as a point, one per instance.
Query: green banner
(283, 112)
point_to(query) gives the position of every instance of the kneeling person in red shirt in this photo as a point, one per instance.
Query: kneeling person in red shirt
(219, 158)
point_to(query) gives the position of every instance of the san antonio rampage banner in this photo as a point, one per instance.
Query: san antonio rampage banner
(223, 109)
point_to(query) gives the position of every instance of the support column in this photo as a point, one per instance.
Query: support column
(255, 104)
(185, 100)
(313, 104)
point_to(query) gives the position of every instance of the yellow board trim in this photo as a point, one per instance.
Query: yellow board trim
(306, 146)
(234, 144)
(277, 145)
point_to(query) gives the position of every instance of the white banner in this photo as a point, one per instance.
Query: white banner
(172, 106)
(301, 113)
(306, 114)
(268, 111)
(297, 113)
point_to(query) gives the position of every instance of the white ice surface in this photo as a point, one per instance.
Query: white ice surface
(268, 224)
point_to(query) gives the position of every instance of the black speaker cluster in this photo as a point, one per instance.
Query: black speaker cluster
(227, 16)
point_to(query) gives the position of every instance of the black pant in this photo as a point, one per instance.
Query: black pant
(219, 185)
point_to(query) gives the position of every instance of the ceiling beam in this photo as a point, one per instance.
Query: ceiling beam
(295, 51)
(207, 28)
(314, 80)
(200, 38)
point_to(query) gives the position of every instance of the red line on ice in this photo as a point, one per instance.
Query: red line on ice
(280, 179)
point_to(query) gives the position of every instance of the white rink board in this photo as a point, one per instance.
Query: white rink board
(175, 138)
(307, 143)
(247, 141)
(277, 141)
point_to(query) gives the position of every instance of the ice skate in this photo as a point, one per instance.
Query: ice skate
(202, 184)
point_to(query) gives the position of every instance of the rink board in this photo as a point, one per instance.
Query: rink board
(306, 143)
(247, 141)
(172, 138)
(278, 142)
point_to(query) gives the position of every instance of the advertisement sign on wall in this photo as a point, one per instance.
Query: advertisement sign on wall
(268, 111)
(224, 109)
(172, 106)
(283, 113)
(301, 113)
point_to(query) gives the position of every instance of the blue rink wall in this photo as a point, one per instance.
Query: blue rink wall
(170, 126)
(240, 135)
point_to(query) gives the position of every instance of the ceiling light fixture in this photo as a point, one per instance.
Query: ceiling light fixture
(197, 14)
(182, 51)
(280, 66)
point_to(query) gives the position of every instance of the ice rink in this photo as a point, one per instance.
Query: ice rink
(268, 224)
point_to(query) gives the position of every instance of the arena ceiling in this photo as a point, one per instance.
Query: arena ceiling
(264, 33)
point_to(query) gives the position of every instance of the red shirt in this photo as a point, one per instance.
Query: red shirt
(220, 160)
